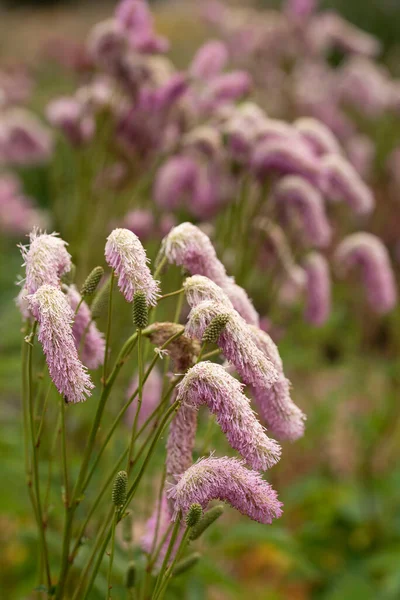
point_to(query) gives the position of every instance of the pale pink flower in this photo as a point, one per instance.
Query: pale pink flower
(55, 316)
(241, 302)
(283, 157)
(199, 288)
(22, 303)
(344, 183)
(126, 255)
(318, 286)
(228, 480)
(319, 137)
(209, 60)
(68, 114)
(93, 347)
(181, 440)
(24, 140)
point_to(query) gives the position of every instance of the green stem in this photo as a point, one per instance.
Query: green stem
(108, 330)
(168, 573)
(64, 453)
(160, 267)
(171, 545)
(78, 306)
(44, 410)
(171, 294)
(159, 548)
(139, 406)
(114, 524)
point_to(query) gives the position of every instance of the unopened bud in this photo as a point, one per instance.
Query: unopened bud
(187, 563)
(194, 515)
(208, 519)
(119, 488)
(140, 311)
(214, 329)
(130, 576)
(92, 281)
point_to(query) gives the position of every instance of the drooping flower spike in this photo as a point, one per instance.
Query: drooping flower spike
(93, 344)
(228, 480)
(126, 255)
(344, 183)
(55, 316)
(181, 441)
(318, 288)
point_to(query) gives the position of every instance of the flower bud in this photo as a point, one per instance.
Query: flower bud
(130, 576)
(194, 515)
(140, 311)
(92, 281)
(186, 564)
(214, 329)
(119, 489)
(208, 519)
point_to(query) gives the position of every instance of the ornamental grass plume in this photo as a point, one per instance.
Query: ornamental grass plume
(152, 393)
(51, 309)
(367, 253)
(89, 341)
(318, 289)
(210, 384)
(235, 342)
(46, 259)
(126, 255)
(344, 183)
(226, 479)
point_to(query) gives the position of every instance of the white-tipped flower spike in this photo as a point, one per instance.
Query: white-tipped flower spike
(226, 479)
(344, 183)
(298, 198)
(319, 137)
(318, 304)
(126, 255)
(93, 347)
(46, 259)
(51, 309)
(235, 342)
(210, 384)
(199, 288)
(366, 251)
(181, 440)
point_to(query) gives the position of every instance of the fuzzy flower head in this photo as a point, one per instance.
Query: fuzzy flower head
(318, 136)
(210, 384)
(93, 344)
(318, 288)
(181, 441)
(46, 259)
(126, 255)
(366, 251)
(228, 480)
(51, 309)
(344, 183)
(266, 344)
(209, 60)
(199, 288)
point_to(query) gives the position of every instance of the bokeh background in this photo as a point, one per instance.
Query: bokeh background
(339, 538)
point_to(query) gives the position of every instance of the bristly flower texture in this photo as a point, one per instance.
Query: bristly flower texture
(235, 342)
(318, 304)
(126, 255)
(51, 309)
(181, 440)
(228, 480)
(46, 259)
(366, 251)
(93, 346)
(344, 183)
(210, 384)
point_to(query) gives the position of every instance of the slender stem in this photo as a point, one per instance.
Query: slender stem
(64, 452)
(168, 573)
(57, 431)
(44, 410)
(159, 548)
(110, 564)
(139, 406)
(78, 306)
(160, 267)
(171, 545)
(160, 493)
(211, 354)
(171, 294)
(108, 330)
(203, 347)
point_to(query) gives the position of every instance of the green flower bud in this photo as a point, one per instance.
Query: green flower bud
(92, 281)
(140, 311)
(215, 328)
(130, 576)
(119, 488)
(208, 519)
(186, 563)
(194, 515)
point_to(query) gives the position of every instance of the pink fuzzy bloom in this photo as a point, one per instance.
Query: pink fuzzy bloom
(241, 302)
(292, 284)
(68, 115)
(125, 254)
(136, 19)
(55, 316)
(318, 136)
(22, 304)
(318, 286)
(107, 44)
(300, 9)
(297, 197)
(266, 344)
(17, 213)
(141, 222)
(93, 348)
(228, 480)
(175, 181)
(209, 60)
(205, 139)
(181, 440)
(344, 183)
(367, 252)
(361, 153)
(46, 259)
(23, 138)
(235, 342)
(226, 88)
(199, 288)
(153, 535)
(284, 157)
(152, 392)
(209, 383)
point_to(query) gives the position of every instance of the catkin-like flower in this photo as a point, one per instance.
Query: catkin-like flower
(208, 519)
(209, 60)
(93, 347)
(22, 303)
(319, 137)
(51, 309)
(283, 157)
(152, 393)
(241, 302)
(119, 489)
(126, 255)
(194, 515)
(92, 281)
(226, 479)
(199, 288)
(46, 259)
(344, 183)
(210, 384)
(295, 194)
(367, 252)
(140, 311)
(181, 441)
(266, 344)
(318, 286)
(214, 329)
(235, 342)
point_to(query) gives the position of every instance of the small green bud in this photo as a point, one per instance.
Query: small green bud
(92, 281)
(215, 328)
(119, 488)
(186, 563)
(130, 576)
(69, 277)
(208, 519)
(194, 515)
(101, 300)
(140, 311)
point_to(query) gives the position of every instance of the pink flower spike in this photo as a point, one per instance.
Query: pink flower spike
(181, 441)
(93, 347)
(318, 136)
(209, 60)
(228, 480)
(344, 183)
(318, 289)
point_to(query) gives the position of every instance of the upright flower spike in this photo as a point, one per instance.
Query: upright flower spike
(318, 286)
(235, 342)
(93, 347)
(210, 384)
(46, 259)
(226, 479)
(344, 183)
(140, 311)
(366, 251)
(126, 255)
(51, 309)
(92, 281)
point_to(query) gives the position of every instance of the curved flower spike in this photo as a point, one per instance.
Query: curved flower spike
(93, 347)
(343, 182)
(318, 288)
(318, 136)
(46, 259)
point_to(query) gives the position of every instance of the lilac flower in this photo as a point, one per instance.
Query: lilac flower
(241, 302)
(361, 153)
(152, 392)
(296, 158)
(126, 255)
(226, 479)
(266, 344)
(107, 44)
(93, 347)
(319, 137)
(51, 309)
(199, 289)
(22, 303)
(174, 181)
(68, 115)
(295, 194)
(181, 441)
(235, 342)
(209, 383)
(209, 60)
(23, 138)
(292, 285)
(204, 139)
(345, 183)
(46, 259)
(226, 87)
(300, 9)
(136, 19)
(318, 287)
(141, 222)
(366, 251)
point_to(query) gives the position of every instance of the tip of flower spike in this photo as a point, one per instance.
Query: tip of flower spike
(194, 515)
(140, 311)
(214, 329)
(119, 489)
(130, 576)
(92, 281)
